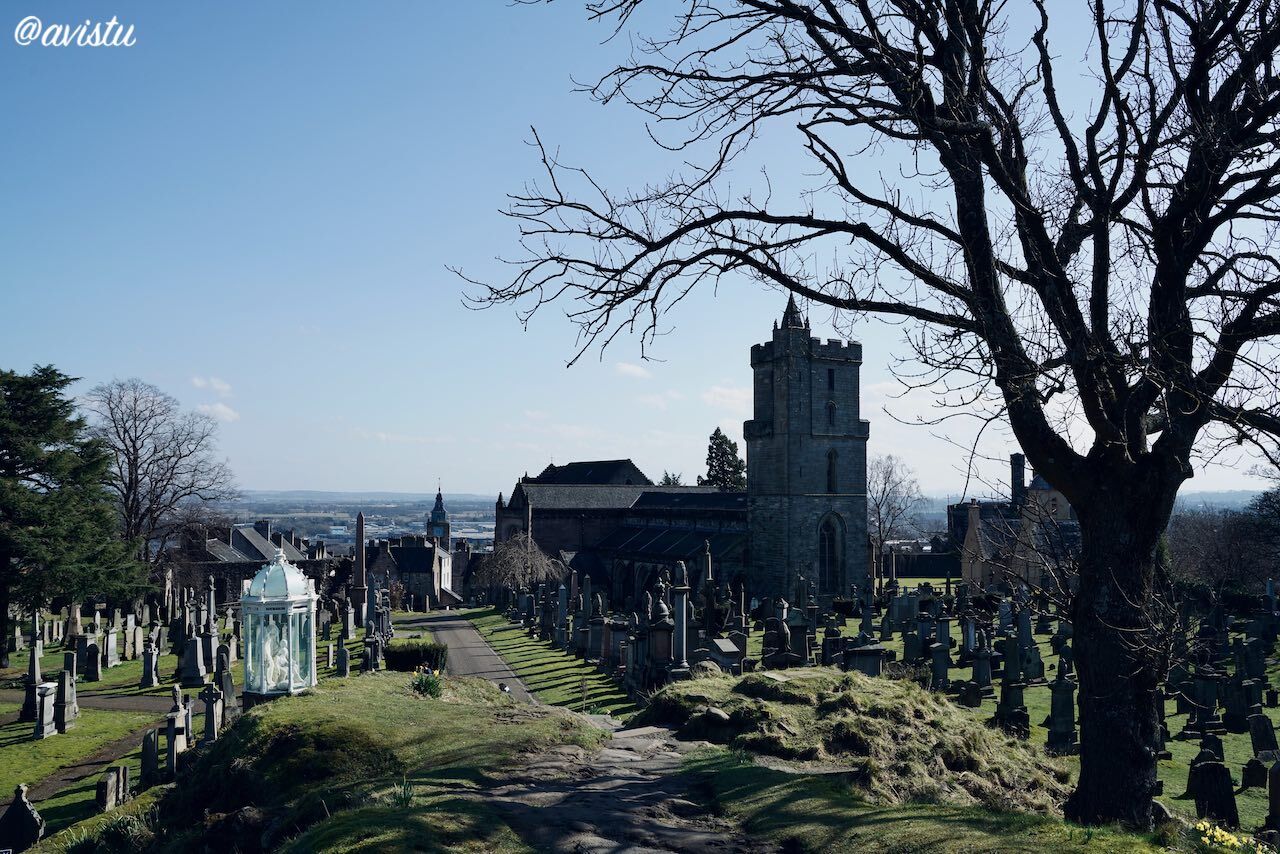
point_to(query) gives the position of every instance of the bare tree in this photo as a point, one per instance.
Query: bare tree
(893, 495)
(1100, 272)
(165, 469)
(517, 562)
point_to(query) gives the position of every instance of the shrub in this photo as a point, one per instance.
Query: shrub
(428, 685)
(408, 654)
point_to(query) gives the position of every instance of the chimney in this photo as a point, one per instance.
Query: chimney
(263, 527)
(975, 514)
(1018, 479)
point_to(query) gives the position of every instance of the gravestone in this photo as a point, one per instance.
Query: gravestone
(111, 648)
(108, 791)
(1272, 821)
(32, 680)
(940, 658)
(193, 670)
(1253, 775)
(21, 826)
(331, 656)
(92, 663)
(1262, 733)
(970, 694)
(1214, 794)
(175, 740)
(150, 665)
(65, 707)
(1062, 716)
(344, 661)
(44, 723)
(227, 685)
(212, 698)
(150, 774)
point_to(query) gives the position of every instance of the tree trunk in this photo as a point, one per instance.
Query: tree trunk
(1118, 668)
(6, 630)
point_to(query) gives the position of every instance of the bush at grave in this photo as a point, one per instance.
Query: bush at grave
(408, 654)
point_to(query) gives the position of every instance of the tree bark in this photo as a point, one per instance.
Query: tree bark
(5, 629)
(1118, 667)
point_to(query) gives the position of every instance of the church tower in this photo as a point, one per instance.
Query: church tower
(806, 463)
(438, 523)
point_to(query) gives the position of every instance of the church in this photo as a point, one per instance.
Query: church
(802, 516)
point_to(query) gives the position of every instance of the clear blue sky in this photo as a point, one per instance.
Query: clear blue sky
(253, 208)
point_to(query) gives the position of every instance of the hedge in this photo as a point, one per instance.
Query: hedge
(408, 654)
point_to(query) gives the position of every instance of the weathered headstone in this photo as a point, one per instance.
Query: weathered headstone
(21, 826)
(92, 663)
(1253, 775)
(150, 773)
(32, 680)
(150, 665)
(65, 707)
(44, 723)
(1215, 796)
(193, 670)
(212, 698)
(344, 661)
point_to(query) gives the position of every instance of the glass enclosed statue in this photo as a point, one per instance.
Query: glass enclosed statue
(278, 610)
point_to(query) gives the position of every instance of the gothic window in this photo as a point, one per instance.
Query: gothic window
(831, 413)
(829, 555)
(832, 458)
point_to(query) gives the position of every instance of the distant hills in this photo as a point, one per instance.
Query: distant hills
(314, 496)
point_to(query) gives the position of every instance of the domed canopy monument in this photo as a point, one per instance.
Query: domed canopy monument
(278, 607)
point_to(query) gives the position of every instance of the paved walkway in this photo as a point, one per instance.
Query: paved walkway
(157, 703)
(469, 653)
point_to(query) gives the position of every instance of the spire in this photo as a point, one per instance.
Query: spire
(438, 513)
(791, 318)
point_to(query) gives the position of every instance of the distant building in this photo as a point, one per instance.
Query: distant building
(1033, 538)
(423, 565)
(804, 513)
(231, 554)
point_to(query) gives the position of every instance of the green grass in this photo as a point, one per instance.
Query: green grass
(25, 760)
(823, 812)
(553, 676)
(320, 769)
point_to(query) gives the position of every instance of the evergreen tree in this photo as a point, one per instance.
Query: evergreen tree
(57, 522)
(725, 468)
(671, 479)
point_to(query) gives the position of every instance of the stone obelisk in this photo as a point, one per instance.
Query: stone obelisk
(359, 584)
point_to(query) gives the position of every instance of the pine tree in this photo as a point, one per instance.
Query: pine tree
(671, 479)
(57, 522)
(725, 468)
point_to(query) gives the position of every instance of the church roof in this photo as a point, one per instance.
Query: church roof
(668, 543)
(1038, 482)
(599, 472)
(581, 496)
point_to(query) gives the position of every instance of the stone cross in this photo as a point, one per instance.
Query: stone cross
(212, 698)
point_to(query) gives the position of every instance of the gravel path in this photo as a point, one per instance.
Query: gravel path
(469, 653)
(630, 798)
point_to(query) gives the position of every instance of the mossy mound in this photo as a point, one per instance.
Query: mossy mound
(897, 742)
(306, 773)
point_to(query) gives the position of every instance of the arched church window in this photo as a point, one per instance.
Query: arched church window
(831, 413)
(829, 543)
(832, 480)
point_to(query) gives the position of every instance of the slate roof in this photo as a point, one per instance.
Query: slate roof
(668, 543)
(691, 498)
(592, 497)
(218, 550)
(250, 543)
(599, 472)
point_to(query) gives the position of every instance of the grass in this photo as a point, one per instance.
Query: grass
(553, 676)
(319, 771)
(824, 812)
(25, 760)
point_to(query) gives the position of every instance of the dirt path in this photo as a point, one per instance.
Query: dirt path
(89, 766)
(630, 798)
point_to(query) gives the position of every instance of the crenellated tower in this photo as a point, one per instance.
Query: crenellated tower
(806, 463)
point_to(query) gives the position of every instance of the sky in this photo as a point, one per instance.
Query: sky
(255, 208)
